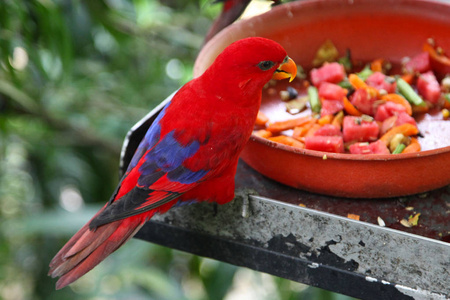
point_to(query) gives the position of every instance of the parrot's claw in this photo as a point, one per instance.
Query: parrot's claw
(244, 194)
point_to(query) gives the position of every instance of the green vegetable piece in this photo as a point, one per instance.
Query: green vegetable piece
(346, 61)
(297, 105)
(313, 97)
(406, 90)
(365, 73)
(414, 220)
(301, 74)
(345, 84)
(399, 149)
(447, 97)
(326, 53)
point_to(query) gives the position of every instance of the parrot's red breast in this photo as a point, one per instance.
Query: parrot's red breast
(189, 154)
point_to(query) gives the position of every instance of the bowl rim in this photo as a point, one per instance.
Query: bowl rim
(233, 30)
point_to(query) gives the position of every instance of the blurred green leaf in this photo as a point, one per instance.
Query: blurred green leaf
(56, 222)
(17, 96)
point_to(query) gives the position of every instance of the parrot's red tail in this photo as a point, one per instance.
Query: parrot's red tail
(87, 248)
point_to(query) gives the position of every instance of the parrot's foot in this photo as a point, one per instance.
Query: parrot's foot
(244, 194)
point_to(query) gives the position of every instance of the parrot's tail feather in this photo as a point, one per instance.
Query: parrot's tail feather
(87, 248)
(87, 243)
(59, 257)
(86, 240)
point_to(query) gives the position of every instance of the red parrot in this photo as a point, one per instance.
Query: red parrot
(189, 154)
(231, 11)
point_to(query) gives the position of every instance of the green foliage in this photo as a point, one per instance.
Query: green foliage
(75, 75)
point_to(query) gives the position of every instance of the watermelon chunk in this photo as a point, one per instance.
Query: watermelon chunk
(388, 110)
(360, 148)
(403, 118)
(378, 147)
(330, 107)
(359, 130)
(381, 82)
(364, 102)
(331, 72)
(388, 124)
(333, 144)
(328, 130)
(331, 91)
(331, 96)
(428, 87)
(419, 63)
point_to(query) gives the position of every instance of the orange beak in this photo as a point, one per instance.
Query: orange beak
(287, 69)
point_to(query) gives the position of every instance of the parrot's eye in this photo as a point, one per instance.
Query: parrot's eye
(266, 65)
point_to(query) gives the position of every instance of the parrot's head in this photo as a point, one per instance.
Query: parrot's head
(248, 64)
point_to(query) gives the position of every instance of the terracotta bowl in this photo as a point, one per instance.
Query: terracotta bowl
(389, 29)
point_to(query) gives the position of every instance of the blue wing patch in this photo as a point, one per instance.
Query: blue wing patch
(169, 153)
(167, 157)
(150, 139)
(186, 176)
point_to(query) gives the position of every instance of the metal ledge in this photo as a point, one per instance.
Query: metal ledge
(316, 248)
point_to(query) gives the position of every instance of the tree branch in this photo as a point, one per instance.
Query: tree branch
(24, 103)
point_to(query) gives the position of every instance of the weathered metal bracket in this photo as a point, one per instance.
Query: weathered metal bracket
(316, 248)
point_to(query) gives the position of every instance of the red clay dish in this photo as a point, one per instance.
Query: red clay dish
(390, 29)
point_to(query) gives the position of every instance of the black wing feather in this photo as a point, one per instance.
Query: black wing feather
(128, 205)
